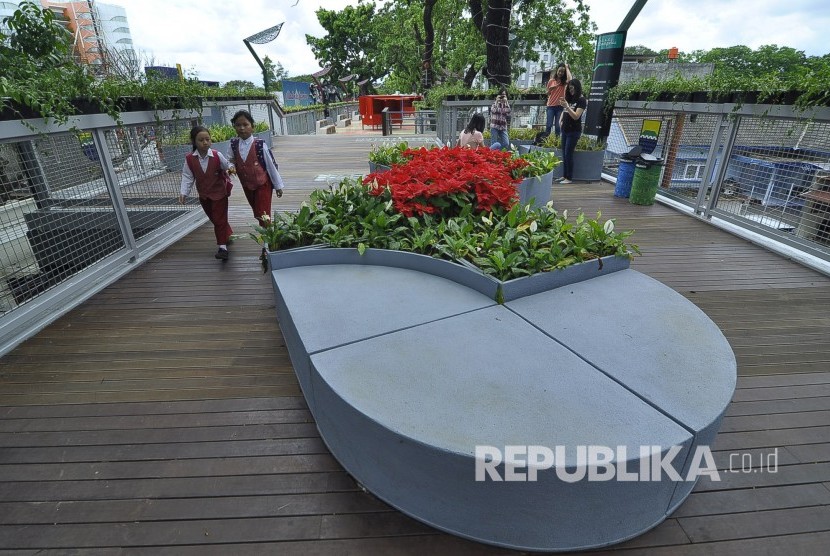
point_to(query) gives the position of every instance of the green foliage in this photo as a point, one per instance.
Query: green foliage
(522, 133)
(351, 43)
(40, 74)
(389, 42)
(506, 244)
(539, 163)
(770, 70)
(388, 154)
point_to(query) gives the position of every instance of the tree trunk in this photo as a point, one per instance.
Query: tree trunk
(470, 75)
(427, 75)
(494, 24)
(497, 37)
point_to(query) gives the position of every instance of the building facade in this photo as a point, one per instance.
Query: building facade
(100, 32)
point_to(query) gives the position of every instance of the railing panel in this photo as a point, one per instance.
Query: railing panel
(79, 207)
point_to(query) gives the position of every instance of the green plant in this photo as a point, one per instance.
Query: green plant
(388, 154)
(522, 133)
(552, 141)
(589, 143)
(506, 243)
(539, 163)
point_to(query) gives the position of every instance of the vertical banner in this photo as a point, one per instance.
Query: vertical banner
(607, 65)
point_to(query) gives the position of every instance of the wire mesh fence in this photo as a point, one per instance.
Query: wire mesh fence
(527, 119)
(59, 213)
(766, 171)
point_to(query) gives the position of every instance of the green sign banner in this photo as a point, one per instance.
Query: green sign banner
(607, 65)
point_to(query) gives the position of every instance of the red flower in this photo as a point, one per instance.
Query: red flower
(434, 176)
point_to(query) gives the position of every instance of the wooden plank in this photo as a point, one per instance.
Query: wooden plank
(155, 452)
(174, 509)
(752, 500)
(756, 524)
(184, 486)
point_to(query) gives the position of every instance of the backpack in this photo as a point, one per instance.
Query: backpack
(259, 146)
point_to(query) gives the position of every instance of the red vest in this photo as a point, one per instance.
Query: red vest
(250, 172)
(210, 184)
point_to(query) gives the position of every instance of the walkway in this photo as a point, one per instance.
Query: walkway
(163, 414)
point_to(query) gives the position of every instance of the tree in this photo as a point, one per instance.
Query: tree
(275, 74)
(240, 84)
(351, 42)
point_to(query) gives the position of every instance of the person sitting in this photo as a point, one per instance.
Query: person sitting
(473, 134)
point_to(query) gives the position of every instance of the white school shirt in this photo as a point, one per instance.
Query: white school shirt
(245, 147)
(188, 179)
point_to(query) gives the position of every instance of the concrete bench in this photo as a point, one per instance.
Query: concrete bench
(416, 371)
(343, 121)
(326, 130)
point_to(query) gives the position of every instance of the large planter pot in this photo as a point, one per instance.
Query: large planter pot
(418, 382)
(536, 189)
(587, 165)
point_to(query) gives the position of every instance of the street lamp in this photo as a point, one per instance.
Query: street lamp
(263, 37)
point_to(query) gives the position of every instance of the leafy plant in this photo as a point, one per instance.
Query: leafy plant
(505, 240)
(389, 154)
(538, 162)
(522, 133)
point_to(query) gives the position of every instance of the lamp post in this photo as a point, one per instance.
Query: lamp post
(263, 37)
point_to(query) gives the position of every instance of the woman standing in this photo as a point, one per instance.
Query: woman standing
(556, 90)
(500, 114)
(573, 105)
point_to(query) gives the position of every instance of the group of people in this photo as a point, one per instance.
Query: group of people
(249, 158)
(565, 106)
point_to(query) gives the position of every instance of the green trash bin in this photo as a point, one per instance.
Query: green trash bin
(645, 182)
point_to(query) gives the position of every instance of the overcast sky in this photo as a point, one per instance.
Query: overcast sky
(205, 36)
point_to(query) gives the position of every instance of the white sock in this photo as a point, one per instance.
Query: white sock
(225, 247)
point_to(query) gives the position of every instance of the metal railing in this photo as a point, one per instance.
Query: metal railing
(305, 122)
(455, 115)
(764, 168)
(81, 205)
(419, 121)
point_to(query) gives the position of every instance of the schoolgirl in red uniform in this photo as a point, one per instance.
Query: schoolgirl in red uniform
(255, 166)
(208, 169)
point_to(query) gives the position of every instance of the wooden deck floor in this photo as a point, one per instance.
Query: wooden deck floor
(162, 416)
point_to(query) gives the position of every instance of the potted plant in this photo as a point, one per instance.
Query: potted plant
(449, 203)
(589, 156)
(537, 177)
(382, 157)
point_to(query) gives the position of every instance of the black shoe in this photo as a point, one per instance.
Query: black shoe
(222, 254)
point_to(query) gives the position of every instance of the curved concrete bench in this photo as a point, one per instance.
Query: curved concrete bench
(419, 383)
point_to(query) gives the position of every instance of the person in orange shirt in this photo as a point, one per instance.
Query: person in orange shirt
(556, 90)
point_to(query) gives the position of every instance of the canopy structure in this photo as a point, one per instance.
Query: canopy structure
(263, 37)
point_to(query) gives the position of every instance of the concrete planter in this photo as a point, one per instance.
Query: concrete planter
(587, 164)
(378, 167)
(414, 375)
(536, 188)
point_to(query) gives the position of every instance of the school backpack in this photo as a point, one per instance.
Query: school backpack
(259, 146)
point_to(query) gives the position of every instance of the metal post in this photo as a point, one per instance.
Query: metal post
(34, 174)
(717, 180)
(386, 122)
(111, 181)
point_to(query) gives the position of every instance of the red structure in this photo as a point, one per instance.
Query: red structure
(371, 107)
